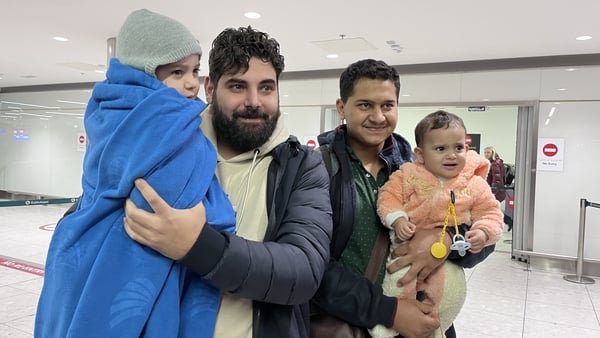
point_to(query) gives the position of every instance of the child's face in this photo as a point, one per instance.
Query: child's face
(182, 75)
(443, 151)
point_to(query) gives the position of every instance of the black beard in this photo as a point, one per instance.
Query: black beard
(240, 136)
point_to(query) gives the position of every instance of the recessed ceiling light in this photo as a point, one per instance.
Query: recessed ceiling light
(27, 104)
(571, 69)
(60, 38)
(252, 15)
(73, 102)
(562, 89)
(36, 115)
(405, 95)
(332, 56)
(583, 38)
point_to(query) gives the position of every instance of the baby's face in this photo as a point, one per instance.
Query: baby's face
(182, 75)
(444, 151)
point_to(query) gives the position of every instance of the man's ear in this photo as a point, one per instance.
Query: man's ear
(419, 155)
(209, 89)
(339, 105)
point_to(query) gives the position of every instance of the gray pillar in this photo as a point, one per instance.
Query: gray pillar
(111, 47)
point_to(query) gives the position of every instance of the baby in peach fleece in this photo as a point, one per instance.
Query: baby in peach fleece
(417, 196)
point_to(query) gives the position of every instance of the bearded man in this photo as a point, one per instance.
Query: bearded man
(267, 270)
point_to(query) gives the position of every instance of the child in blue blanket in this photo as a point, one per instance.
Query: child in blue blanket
(142, 121)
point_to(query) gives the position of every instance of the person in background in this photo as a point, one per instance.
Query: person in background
(495, 177)
(445, 184)
(364, 152)
(270, 268)
(140, 122)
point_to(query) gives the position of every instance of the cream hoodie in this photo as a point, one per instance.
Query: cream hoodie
(244, 180)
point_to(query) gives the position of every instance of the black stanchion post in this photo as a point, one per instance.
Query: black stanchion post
(578, 278)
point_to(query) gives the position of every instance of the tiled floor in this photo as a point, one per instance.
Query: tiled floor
(505, 298)
(24, 236)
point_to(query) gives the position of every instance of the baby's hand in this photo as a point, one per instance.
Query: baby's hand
(404, 229)
(477, 238)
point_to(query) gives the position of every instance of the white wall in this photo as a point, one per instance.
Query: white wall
(48, 163)
(557, 193)
(303, 121)
(482, 87)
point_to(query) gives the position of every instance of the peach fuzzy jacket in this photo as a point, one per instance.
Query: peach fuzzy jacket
(424, 198)
(413, 191)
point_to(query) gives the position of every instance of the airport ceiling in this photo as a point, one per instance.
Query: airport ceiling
(401, 32)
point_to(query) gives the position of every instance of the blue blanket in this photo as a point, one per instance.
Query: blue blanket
(98, 281)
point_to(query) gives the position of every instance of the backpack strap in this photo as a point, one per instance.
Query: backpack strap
(326, 155)
(378, 255)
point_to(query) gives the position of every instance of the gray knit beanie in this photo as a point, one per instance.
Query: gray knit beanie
(148, 40)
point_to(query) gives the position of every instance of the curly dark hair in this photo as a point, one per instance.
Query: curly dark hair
(367, 68)
(232, 49)
(436, 120)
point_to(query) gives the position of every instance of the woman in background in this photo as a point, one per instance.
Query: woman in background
(495, 177)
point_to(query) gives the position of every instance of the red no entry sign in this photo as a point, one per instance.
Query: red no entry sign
(549, 149)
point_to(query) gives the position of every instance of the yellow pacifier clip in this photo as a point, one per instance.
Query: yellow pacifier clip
(439, 249)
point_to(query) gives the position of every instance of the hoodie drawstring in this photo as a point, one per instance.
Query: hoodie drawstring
(248, 180)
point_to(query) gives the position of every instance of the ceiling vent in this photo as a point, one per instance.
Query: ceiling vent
(342, 45)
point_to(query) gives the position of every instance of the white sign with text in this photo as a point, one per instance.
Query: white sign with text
(550, 154)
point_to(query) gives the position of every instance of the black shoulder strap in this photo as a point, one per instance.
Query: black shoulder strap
(378, 255)
(326, 155)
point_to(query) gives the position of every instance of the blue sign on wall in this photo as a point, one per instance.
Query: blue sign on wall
(20, 135)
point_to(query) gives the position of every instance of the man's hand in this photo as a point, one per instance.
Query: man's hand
(172, 232)
(417, 252)
(415, 319)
